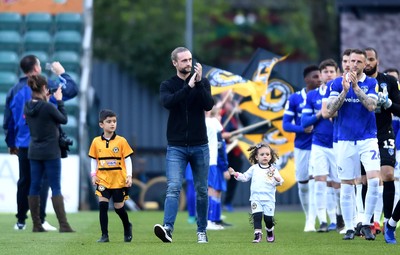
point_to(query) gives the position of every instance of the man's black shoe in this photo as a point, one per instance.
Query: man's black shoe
(103, 239)
(223, 223)
(323, 227)
(366, 232)
(163, 233)
(128, 234)
(358, 229)
(349, 235)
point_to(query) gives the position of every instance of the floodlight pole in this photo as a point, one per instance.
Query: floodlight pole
(189, 25)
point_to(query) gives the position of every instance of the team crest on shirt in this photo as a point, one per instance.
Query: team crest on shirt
(365, 89)
(254, 206)
(377, 88)
(391, 152)
(115, 149)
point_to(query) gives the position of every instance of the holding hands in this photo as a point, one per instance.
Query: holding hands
(231, 171)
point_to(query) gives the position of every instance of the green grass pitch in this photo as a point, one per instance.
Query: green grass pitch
(290, 238)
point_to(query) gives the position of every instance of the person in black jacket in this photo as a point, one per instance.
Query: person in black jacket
(44, 151)
(187, 96)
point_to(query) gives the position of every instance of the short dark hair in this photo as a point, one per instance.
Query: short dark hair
(360, 52)
(392, 70)
(105, 113)
(309, 69)
(347, 52)
(328, 62)
(372, 49)
(27, 63)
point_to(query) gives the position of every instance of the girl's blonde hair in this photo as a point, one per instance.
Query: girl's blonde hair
(254, 151)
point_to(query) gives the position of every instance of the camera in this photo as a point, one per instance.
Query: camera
(64, 143)
(52, 90)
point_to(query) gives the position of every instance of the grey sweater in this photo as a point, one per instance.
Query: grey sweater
(44, 119)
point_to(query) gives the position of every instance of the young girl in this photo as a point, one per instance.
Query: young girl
(264, 179)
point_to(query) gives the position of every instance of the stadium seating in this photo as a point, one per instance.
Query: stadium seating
(3, 145)
(68, 21)
(9, 61)
(68, 41)
(11, 21)
(7, 80)
(3, 96)
(72, 106)
(69, 59)
(39, 21)
(49, 37)
(10, 40)
(37, 41)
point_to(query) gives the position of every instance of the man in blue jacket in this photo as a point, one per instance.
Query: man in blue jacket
(17, 131)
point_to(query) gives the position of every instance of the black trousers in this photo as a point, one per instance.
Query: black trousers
(23, 186)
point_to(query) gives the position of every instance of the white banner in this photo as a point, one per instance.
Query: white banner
(9, 174)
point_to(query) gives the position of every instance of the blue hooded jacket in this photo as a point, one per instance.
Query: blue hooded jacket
(14, 124)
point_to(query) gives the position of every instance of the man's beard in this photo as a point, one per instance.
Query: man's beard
(370, 71)
(184, 71)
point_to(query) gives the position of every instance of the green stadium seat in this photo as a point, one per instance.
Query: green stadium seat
(68, 41)
(41, 55)
(10, 40)
(72, 106)
(9, 61)
(37, 41)
(39, 21)
(68, 21)
(3, 144)
(71, 128)
(3, 96)
(7, 80)
(70, 60)
(11, 21)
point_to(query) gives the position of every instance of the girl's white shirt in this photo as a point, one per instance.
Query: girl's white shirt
(263, 184)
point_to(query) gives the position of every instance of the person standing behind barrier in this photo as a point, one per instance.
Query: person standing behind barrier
(229, 116)
(111, 171)
(354, 97)
(17, 132)
(187, 96)
(302, 142)
(44, 151)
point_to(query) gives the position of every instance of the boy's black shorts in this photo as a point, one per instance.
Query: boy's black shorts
(118, 195)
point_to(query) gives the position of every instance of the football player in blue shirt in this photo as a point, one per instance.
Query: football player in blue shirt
(346, 68)
(302, 142)
(322, 159)
(354, 97)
